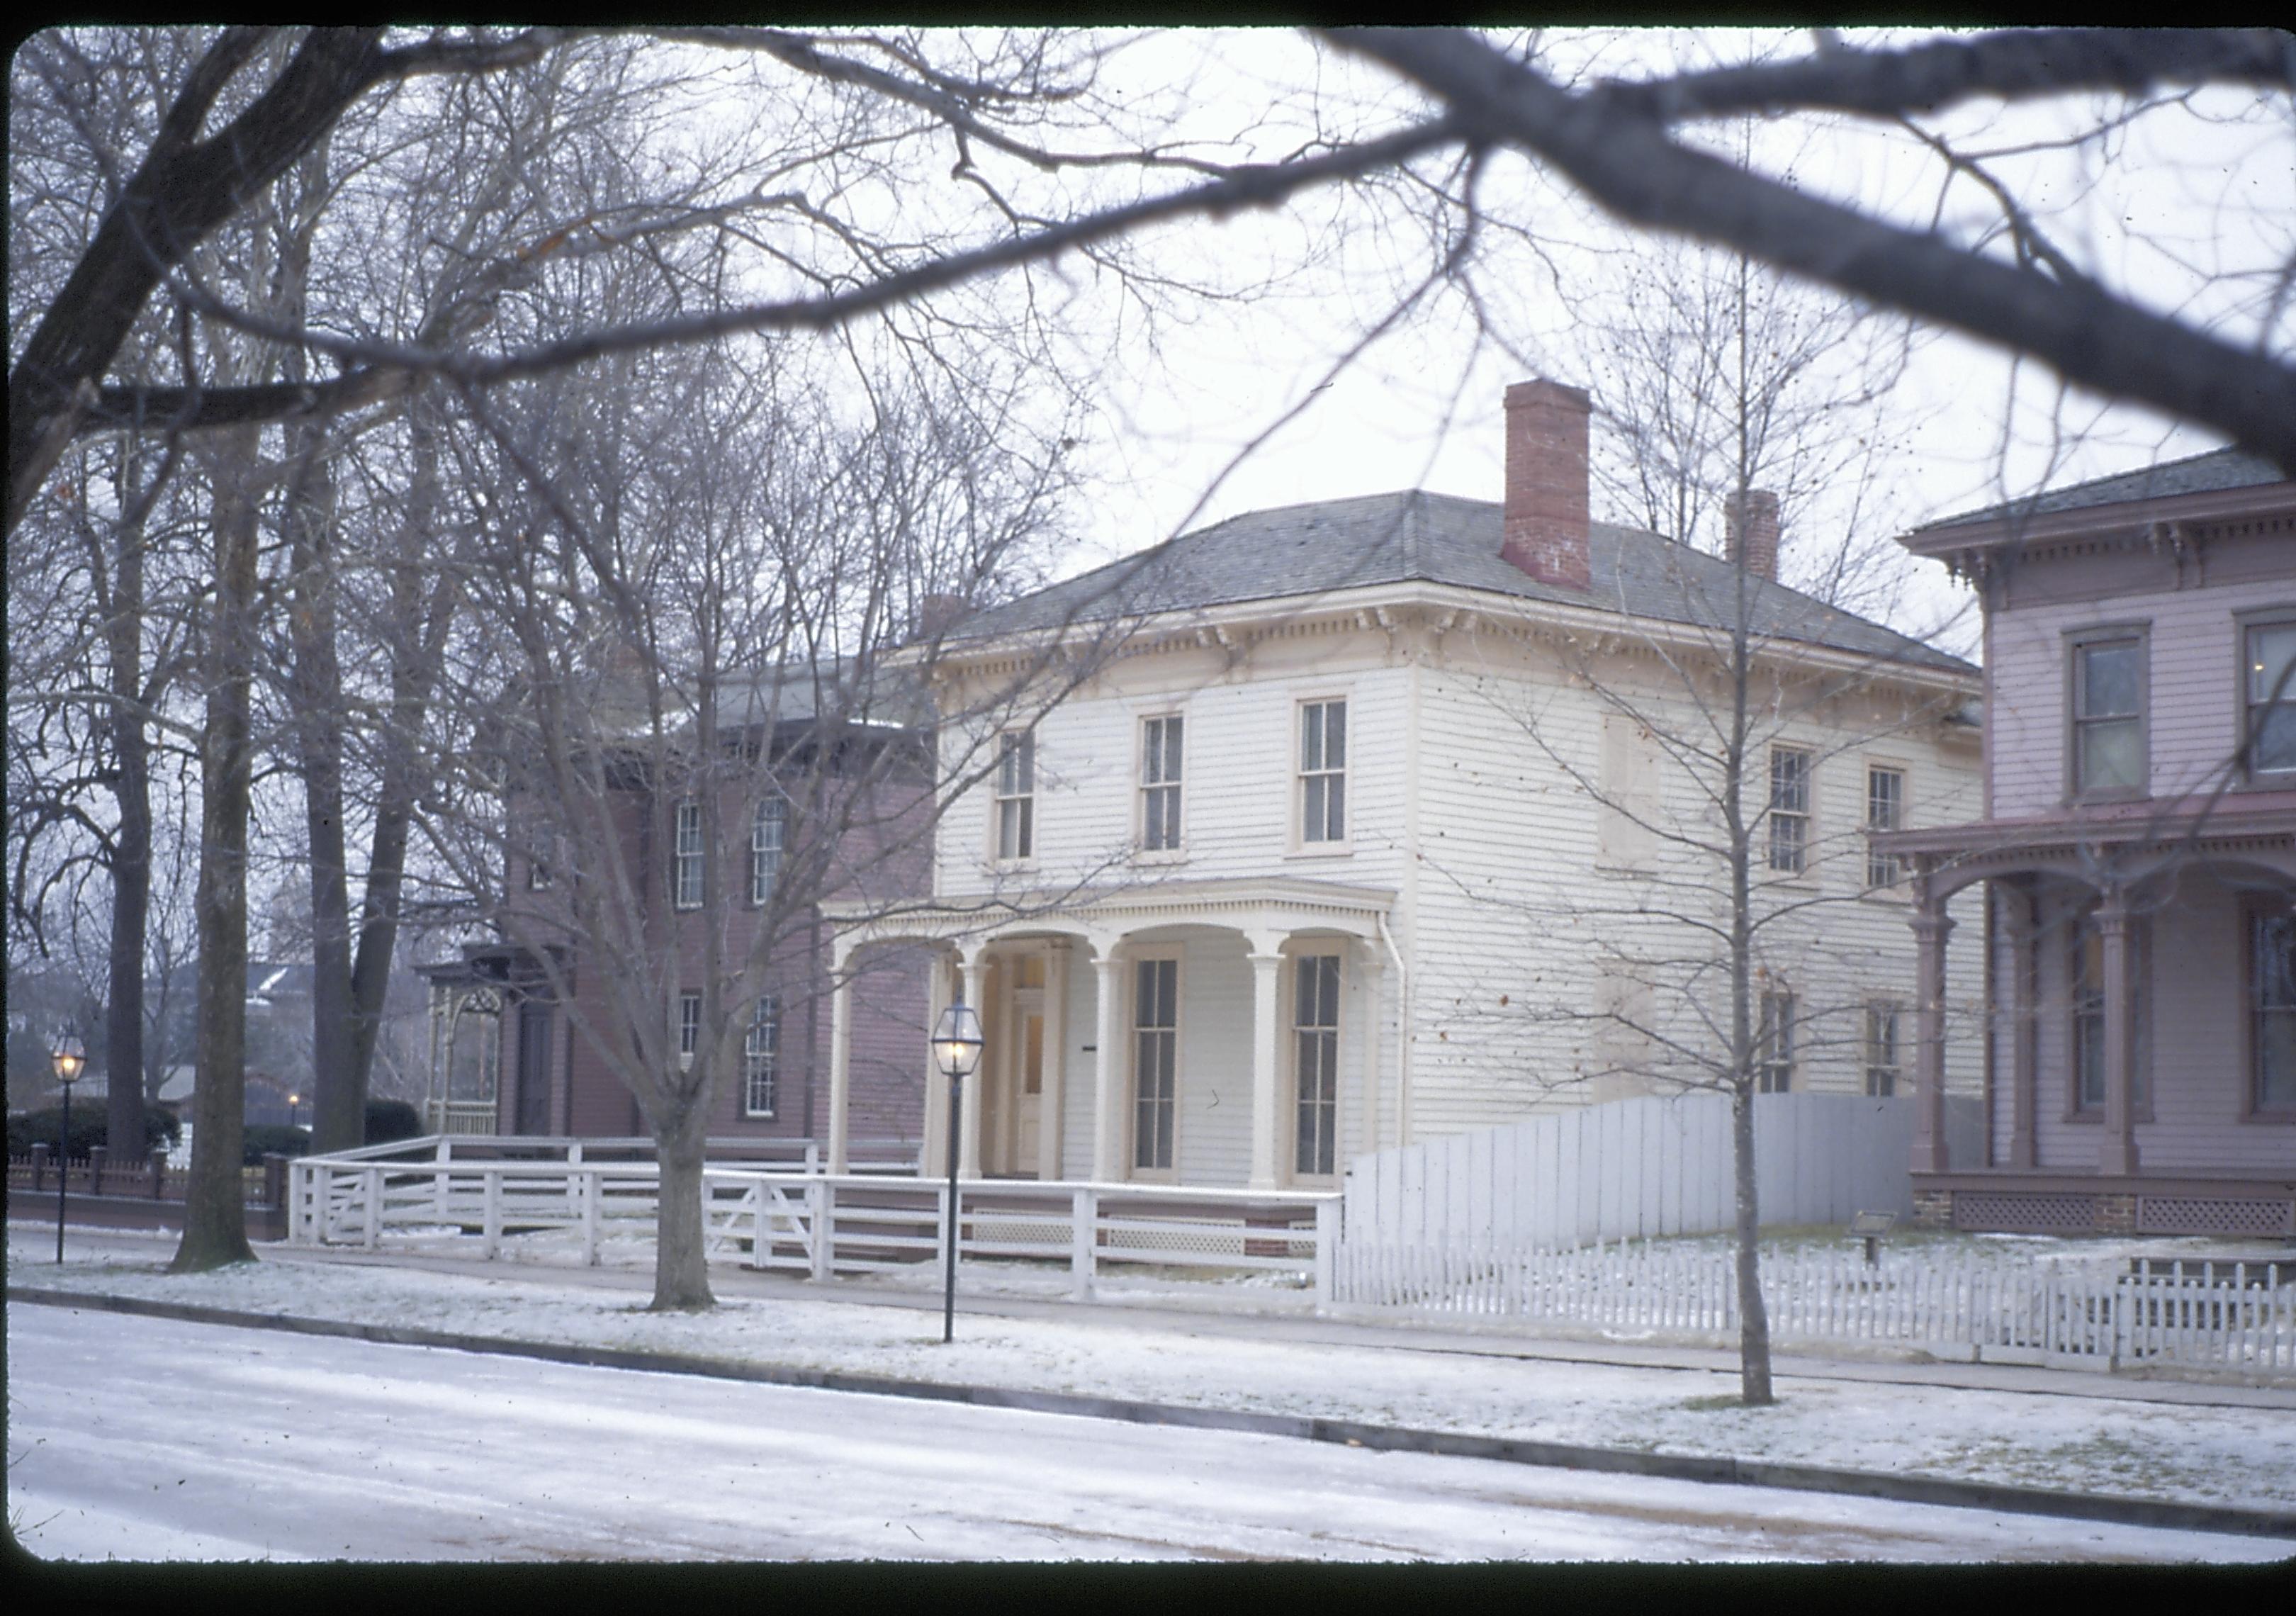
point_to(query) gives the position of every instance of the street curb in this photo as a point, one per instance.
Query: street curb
(1351, 1433)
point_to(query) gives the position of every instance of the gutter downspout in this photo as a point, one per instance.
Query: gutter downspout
(1402, 1034)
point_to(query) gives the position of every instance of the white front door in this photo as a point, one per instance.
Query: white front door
(1027, 1085)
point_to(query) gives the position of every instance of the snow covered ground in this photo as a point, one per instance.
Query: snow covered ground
(2229, 1446)
(215, 1443)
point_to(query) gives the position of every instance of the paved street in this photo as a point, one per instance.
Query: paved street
(203, 1442)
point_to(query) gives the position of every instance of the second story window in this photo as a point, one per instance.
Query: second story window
(2107, 716)
(765, 833)
(1322, 771)
(1016, 796)
(1789, 808)
(1159, 783)
(686, 871)
(2269, 719)
(1885, 810)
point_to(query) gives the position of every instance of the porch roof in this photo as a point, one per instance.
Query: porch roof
(2124, 841)
(1273, 905)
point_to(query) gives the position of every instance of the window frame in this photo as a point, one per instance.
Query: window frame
(2076, 641)
(1774, 1042)
(1891, 1014)
(1878, 860)
(684, 861)
(765, 863)
(1133, 1029)
(2255, 907)
(1329, 1035)
(2245, 623)
(1776, 818)
(1145, 789)
(1303, 845)
(1018, 805)
(541, 865)
(766, 1013)
(2077, 1109)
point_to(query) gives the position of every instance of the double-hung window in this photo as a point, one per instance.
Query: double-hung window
(1773, 1045)
(2268, 713)
(1155, 1061)
(766, 834)
(2107, 715)
(689, 1028)
(2272, 1011)
(761, 1058)
(1881, 1063)
(1885, 810)
(686, 867)
(540, 865)
(1789, 808)
(1322, 771)
(1016, 796)
(1316, 1042)
(1159, 783)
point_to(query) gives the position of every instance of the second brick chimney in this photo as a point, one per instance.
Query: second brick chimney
(1545, 528)
(1757, 532)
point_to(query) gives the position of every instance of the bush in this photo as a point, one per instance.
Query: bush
(270, 1139)
(388, 1120)
(89, 1128)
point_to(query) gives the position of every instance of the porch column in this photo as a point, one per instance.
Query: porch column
(2116, 1151)
(968, 1146)
(2021, 912)
(1267, 1163)
(935, 1149)
(1930, 928)
(841, 1059)
(1108, 1068)
(1050, 1102)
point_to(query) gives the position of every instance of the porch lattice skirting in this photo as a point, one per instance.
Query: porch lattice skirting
(2225, 1314)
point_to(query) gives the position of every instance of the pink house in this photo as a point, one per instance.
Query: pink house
(2138, 853)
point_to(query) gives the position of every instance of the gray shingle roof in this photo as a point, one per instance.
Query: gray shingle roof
(2195, 474)
(1387, 538)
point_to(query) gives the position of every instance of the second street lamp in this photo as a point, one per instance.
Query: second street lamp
(957, 1048)
(71, 1060)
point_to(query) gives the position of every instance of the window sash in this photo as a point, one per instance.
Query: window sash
(761, 1059)
(2272, 994)
(688, 861)
(766, 834)
(1885, 810)
(1322, 771)
(1774, 1042)
(1881, 1058)
(1155, 1022)
(1315, 1039)
(2108, 715)
(1789, 808)
(1016, 789)
(2271, 705)
(689, 1027)
(1159, 783)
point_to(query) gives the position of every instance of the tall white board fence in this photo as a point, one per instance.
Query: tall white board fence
(1635, 1168)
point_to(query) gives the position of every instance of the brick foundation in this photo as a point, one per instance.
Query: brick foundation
(1933, 1208)
(2116, 1214)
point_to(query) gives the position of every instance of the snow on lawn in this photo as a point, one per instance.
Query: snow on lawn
(2237, 1455)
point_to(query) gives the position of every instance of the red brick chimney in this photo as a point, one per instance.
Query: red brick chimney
(1545, 527)
(1758, 532)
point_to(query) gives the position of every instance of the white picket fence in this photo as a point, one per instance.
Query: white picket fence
(791, 1219)
(1636, 1168)
(2227, 1315)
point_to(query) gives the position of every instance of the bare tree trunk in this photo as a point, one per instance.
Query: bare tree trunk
(215, 1217)
(1753, 1315)
(681, 1277)
(131, 854)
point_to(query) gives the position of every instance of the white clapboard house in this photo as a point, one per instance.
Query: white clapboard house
(1339, 839)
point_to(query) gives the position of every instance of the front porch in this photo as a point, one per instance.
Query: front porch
(2140, 1029)
(1210, 1034)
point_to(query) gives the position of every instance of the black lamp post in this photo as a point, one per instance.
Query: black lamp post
(956, 1046)
(71, 1060)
